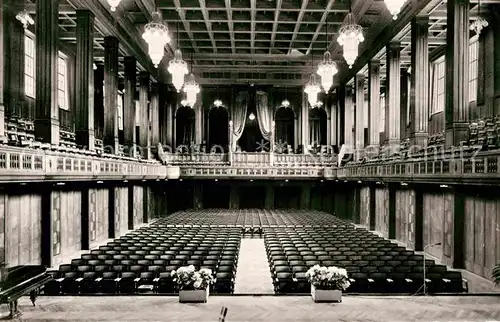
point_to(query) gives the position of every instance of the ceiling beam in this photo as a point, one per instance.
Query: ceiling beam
(253, 8)
(126, 33)
(147, 8)
(273, 69)
(238, 81)
(431, 41)
(62, 8)
(252, 57)
(230, 24)
(320, 25)
(275, 24)
(208, 24)
(185, 23)
(297, 25)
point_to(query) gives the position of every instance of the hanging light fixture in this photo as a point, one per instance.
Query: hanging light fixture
(25, 18)
(113, 4)
(327, 68)
(285, 103)
(480, 23)
(156, 35)
(394, 7)
(251, 117)
(218, 103)
(191, 88)
(350, 35)
(177, 67)
(318, 104)
(312, 88)
(185, 103)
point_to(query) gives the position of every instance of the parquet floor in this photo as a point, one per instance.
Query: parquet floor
(264, 308)
(253, 275)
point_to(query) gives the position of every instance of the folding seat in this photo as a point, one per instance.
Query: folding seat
(171, 252)
(89, 256)
(403, 269)
(167, 257)
(127, 252)
(281, 269)
(453, 282)
(141, 252)
(435, 283)
(377, 263)
(184, 253)
(225, 262)
(226, 268)
(386, 269)
(352, 269)
(170, 268)
(441, 269)
(69, 284)
(195, 262)
(397, 283)
(297, 263)
(209, 262)
(196, 257)
(378, 282)
(212, 257)
(77, 262)
(144, 262)
(279, 263)
(415, 281)
(151, 257)
(284, 283)
(111, 252)
(309, 258)
(120, 257)
(410, 263)
(292, 252)
(328, 263)
(105, 248)
(177, 262)
(323, 258)
(136, 257)
(298, 269)
(160, 262)
(88, 284)
(224, 283)
(386, 258)
(118, 268)
(127, 282)
(65, 268)
(229, 257)
(128, 262)
(302, 285)
(393, 263)
(53, 286)
(110, 262)
(103, 256)
(359, 283)
(368, 269)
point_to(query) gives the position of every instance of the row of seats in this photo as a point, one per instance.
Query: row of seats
(374, 265)
(143, 260)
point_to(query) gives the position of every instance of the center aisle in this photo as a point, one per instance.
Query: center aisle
(253, 275)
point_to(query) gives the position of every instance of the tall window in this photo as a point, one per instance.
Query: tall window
(473, 66)
(62, 83)
(382, 113)
(438, 85)
(29, 66)
(119, 103)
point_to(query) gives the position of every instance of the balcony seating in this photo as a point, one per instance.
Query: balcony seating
(374, 264)
(142, 261)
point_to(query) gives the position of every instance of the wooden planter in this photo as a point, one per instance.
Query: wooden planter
(193, 296)
(325, 296)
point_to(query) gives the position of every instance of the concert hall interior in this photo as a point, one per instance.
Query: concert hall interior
(255, 139)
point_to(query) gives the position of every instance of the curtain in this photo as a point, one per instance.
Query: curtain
(238, 117)
(264, 116)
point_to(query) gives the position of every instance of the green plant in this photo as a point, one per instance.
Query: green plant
(496, 274)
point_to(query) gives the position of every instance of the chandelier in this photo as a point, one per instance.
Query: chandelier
(25, 18)
(218, 103)
(185, 103)
(312, 90)
(156, 35)
(318, 104)
(113, 4)
(480, 23)
(394, 7)
(285, 103)
(327, 69)
(350, 35)
(191, 88)
(178, 68)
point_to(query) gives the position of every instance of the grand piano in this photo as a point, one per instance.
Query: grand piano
(19, 281)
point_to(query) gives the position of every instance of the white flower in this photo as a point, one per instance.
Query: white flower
(172, 273)
(197, 283)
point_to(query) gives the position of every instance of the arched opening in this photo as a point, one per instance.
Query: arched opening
(285, 130)
(218, 132)
(184, 123)
(317, 127)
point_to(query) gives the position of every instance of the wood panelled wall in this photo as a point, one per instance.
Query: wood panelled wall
(66, 224)
(121, 210)
(438, 224)
(364, 207)
(98, 216)
(138, 206)
(482, 231)
(405, 217)
(22, 215)
(382, 211)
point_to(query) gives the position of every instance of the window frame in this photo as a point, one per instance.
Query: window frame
(29, 73)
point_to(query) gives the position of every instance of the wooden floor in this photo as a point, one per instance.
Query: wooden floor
(253, 275)
(264, 308)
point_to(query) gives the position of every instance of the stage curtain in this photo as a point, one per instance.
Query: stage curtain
(264, 117)
(238, 116)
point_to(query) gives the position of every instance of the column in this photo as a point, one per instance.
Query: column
(155, 126)
(457, 72)
(349, 118)
(111, 94)
(360, 107)
(2, 73)
(269, 201)
(169, 127)
(84, 108)
(305, 124)
(405, 79)
(393, 99)
(486, 75)
(198, 111)
(341, 97)
(496, 54)
(47, 109)
(333, 121)
(374, 104)
(305, 196)
(419, 99)
(99, 101)
(144, 115)
(129, 105)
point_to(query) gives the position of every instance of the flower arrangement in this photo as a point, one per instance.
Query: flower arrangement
(328, 278)
(188, 278)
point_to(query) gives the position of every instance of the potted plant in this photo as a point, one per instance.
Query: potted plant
(327, 283)
(193, 284)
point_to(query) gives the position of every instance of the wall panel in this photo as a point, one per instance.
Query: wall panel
(481, 245)
(66, 216)
(364, 207)
(405, 217)
(382, 211)
(23, 217)
(121, 210)
(3, 199)
(98, 216)
(438, 224)
(138, 206)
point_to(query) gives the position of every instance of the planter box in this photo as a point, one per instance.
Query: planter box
(193, 296)
(326, 296)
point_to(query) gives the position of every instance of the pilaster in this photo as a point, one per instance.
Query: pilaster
(99, 101)
(155, 126)
(374, 106)
(144, 83)
(84, 90)
(359, 112)
(47, 43)
(393, 96)
(111, 94)
(457, 71)
(419, 99)
(349, 118)
(129, 105)
(404, 89)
